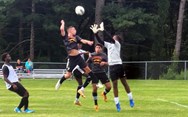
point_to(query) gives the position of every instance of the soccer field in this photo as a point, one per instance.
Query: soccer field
(153, 98)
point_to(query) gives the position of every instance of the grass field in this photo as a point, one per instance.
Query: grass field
(153, 98)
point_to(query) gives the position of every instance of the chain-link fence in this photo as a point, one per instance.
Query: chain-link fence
(135, 69)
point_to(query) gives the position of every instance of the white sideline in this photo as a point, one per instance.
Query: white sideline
(171, 102)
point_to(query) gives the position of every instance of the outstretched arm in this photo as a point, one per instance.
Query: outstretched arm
(62, 28)
(99, 39)
(95, 29)
(110, 39)
(109, 36)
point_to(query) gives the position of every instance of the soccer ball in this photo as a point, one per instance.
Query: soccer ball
(79, 10)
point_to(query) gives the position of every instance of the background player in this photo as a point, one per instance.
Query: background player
(12, 83)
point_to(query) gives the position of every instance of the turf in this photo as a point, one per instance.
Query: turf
(153, 98)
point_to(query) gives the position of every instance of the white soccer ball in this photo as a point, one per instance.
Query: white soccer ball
(79, 10)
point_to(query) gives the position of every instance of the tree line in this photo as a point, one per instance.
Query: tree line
(150, 29)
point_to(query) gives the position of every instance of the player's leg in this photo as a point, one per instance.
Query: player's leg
(78, 77)
(94, 92)
(87, 81)
(125, 84)
(21, 91)
(60, 81)
(104, 80)
(114, 78)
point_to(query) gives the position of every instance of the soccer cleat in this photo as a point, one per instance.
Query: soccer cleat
(28, 111)
(77, 103)
(131, 103)
(17, 110)
(104, 96)
(118, 107)
(96, 107)
(57, 86)
(81, 92)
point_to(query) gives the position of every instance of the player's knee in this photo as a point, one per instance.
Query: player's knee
(26, 94)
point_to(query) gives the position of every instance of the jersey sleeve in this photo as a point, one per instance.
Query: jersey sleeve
(5, 71)
(78, 38)
(106, 44)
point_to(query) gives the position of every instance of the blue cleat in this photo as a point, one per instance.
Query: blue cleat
(17, 110)
(28, 111)
(118, 107)
(131, 103)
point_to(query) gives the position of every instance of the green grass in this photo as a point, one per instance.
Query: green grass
(147, 95)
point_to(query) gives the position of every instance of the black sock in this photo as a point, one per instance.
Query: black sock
(88, 79)
(26, 103)
(106, 91)
(95, 98)
(62, 79)
(23, 102)
(77, 94)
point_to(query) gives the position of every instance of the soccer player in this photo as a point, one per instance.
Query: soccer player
(70, 40)
(12, 84)
(115, 63)
(99, 60)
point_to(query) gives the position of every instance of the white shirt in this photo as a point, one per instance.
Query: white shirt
(12, 77)
(113, 52)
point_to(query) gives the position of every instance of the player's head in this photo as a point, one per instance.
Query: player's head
(71, 30)
(98, 48)
(79, 45)
(6, 57)
(18, 61)
(117, 37)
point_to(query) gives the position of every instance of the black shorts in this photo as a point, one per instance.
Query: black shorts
(20, 89)
(77, 74)
(116, 72)
(100, 76)
(75, 60)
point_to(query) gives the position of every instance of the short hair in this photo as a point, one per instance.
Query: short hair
(98, 44)
(3, 56)
(70, 27)
(118, 37)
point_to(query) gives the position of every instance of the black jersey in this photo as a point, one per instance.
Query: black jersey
(96, 59)
(71, 43)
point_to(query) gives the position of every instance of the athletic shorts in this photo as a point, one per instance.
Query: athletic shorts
(20, 89)
(77, 74)
(100, 76)
(116, 72)
(75, 60)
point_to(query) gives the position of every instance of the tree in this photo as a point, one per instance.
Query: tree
(32, 37)
(179, 30)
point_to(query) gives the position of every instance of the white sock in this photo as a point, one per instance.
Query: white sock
(77, 99)
(82, 88)
(116, 100)
(130, 96)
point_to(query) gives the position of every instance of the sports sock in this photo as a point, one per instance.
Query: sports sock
(23, 102)
(106, 91)
(116, 100)
(77, 94)
(130, 96)
(62, 79)
(87, 81)
(95, 98)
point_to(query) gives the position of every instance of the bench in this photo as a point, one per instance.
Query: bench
(41, 73)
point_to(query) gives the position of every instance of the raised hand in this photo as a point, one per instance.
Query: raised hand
(94, 28)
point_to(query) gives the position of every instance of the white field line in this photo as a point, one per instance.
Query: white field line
(171, 102)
